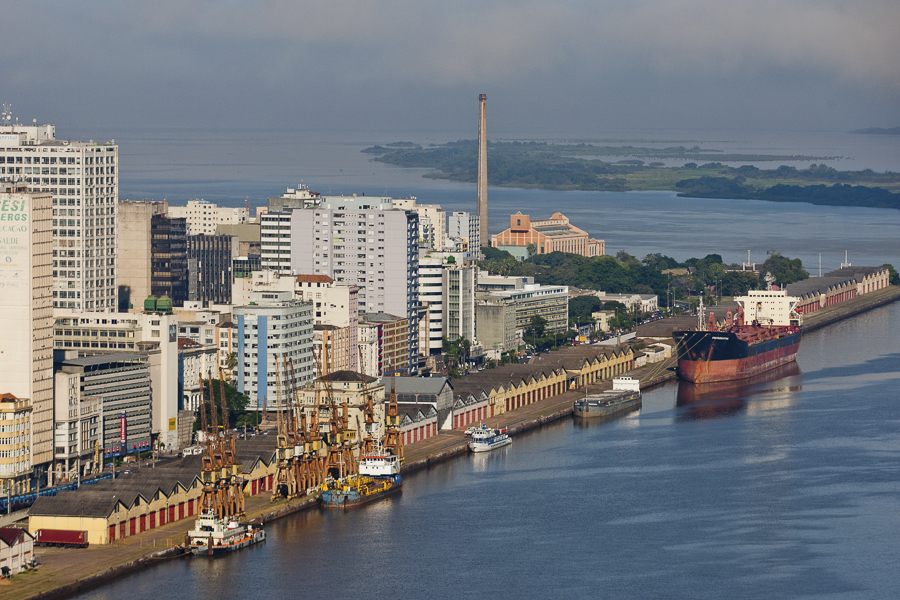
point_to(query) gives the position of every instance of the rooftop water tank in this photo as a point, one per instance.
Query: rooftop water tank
(150, 304)
(164, 304)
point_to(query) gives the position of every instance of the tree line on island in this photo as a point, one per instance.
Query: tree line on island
(557, 166)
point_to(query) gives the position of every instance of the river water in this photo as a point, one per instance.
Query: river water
(784, 487)
(229, 166)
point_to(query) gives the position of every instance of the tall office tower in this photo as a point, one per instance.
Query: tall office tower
(83, 179)
(135, 251)
(26, 361)
(363, 241)
(210, 258)
(484, 237)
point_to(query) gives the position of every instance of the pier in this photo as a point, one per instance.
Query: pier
(64, 573)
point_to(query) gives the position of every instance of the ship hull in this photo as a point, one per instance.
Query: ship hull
(203, 548)
(711, 356)
(351, 498)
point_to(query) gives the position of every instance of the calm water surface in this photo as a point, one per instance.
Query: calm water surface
(230, 165)
(785, 487)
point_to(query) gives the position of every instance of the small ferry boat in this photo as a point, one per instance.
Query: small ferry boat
(626, 394)
(379, 476)
(486, 439)
(213, 535)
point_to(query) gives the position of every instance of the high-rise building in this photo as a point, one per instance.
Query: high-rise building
(83, 179)
(458, 306)
(484, 237)
(465, 227)
(26, 362)
(135, 250)
(210, 258)
(271, 329)
(432, 222)
(203, 217)
(365, 242)
(169, 258)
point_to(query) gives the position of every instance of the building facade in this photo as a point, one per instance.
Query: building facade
(136, 248)
(555, 234)
(458, 302)
(26, 280)
(83, 180)
(213, 257)
(551, 303)
(15, 444)
(364, 242)
(203, 217)
(153, 334)
(121, 384)
(77, 433)
(272, 329)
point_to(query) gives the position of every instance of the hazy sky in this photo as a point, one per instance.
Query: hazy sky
(554, 67)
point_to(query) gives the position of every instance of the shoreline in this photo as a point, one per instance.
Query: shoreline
(422, 455)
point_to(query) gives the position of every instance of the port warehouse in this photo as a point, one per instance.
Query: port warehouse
(132, 503)
(493, 392)
(111, 510)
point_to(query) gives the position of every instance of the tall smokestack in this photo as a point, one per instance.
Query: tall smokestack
(481, 202)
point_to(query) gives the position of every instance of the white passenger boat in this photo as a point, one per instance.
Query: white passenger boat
(486, 439)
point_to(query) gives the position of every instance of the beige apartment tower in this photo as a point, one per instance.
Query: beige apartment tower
(484, 238)
(26, 362)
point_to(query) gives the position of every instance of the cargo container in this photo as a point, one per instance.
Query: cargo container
(62, 538)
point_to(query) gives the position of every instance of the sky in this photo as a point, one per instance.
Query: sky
(554, 68)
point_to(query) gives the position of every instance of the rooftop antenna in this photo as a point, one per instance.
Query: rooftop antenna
(6, 116)
(846, 262)
(820, 264)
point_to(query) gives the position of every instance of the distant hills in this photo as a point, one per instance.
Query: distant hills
(879, 131)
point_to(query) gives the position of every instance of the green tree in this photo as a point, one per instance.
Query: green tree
(536, 327)
(895, 278)
(236, 402)
(784, 269)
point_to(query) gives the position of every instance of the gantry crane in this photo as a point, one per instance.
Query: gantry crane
(285, 479)
(393, 441)
(222, 491)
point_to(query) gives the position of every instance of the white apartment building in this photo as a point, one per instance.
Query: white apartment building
(83, 179)
(153, 334)
(646, 302)
(203, 216)
(431, 267)
(439, 280)
(458, 302)
(26, 359)
(365, 242)
(464, 226)
(272, 328)
(432, 222)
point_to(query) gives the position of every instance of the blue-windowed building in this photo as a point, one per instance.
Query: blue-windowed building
(272, 328)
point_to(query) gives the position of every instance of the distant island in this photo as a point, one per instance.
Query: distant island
(580, 166)
(879, 131)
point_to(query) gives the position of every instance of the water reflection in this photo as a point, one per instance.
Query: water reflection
(705, 401)
(582, 423)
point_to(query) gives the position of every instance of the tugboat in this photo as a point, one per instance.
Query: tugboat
(626, 394)
(379, 476)
(213, 535)
(486, 439)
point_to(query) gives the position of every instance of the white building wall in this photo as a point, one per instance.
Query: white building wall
(203, 216)
(83, 179)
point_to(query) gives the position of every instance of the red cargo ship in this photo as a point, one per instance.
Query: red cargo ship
(735, 350)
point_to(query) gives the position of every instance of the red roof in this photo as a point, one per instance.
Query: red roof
(187, 343)
(7, 396)
(11, 535)
(314, 279)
